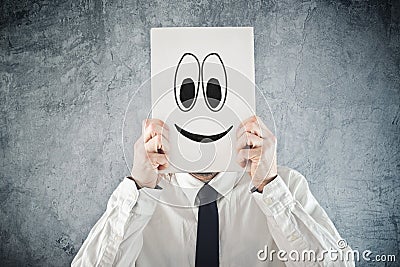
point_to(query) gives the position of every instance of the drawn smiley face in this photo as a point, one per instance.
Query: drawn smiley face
(214, 90)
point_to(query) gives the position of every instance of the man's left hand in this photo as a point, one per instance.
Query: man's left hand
(256, 150)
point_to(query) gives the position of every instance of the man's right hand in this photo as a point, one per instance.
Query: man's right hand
(150, 153)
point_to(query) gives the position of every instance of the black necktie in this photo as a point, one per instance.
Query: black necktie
(207, 244)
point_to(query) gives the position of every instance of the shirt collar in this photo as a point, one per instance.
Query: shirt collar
(223, 183)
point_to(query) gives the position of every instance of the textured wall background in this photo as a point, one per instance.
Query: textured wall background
(330, 71)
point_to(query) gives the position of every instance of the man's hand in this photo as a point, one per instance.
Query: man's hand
(256, 150)
(150, 153)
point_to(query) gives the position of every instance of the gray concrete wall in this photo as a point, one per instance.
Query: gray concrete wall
(330, 71)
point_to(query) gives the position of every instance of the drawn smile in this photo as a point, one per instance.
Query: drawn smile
(202, 138)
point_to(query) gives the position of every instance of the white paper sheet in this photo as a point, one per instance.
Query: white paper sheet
(217, 65)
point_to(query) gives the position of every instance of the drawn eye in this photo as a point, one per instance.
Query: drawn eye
(213, 93)
(186, 82)
(214, 81)
(187, 92)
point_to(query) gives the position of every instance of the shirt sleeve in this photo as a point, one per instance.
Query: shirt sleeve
(116, 239)
(298, 223)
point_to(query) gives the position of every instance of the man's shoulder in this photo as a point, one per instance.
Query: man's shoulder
(293, 179)
(285, 171)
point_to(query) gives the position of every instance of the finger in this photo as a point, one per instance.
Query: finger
(256, 126)
(249, 154)
(242, 162)
(249, 127)
(147, 122)
(241, 158)
(266, 132)
(158, 161)
(163, 167)
(252, 118)
(154, 126)
(157, 143)
(248, 140)
(154, 129)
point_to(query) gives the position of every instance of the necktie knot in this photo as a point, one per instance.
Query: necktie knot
(206, 194)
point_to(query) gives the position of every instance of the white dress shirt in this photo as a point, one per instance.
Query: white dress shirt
(157, 227)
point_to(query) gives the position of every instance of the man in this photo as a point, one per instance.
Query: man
(264, 217)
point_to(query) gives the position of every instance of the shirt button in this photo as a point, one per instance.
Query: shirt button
(294, 237)
(268, 201)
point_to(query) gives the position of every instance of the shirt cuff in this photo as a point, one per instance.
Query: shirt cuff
(275, 197)
(125, 196)
(138, 187)
(147, 201)
(132, 200)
